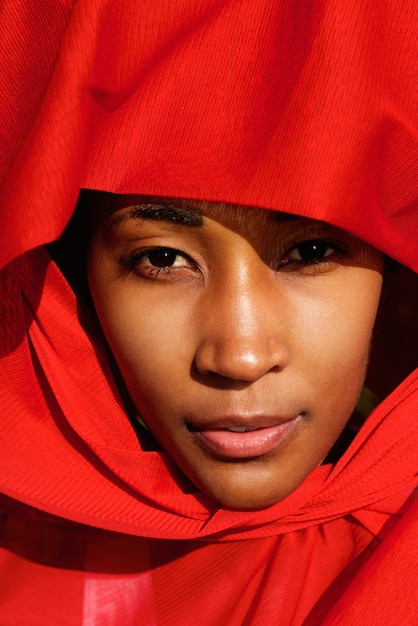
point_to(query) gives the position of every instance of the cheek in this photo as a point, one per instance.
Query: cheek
(150, 340)
(337, 329)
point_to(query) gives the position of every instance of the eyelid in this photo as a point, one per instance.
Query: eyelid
(136, 256)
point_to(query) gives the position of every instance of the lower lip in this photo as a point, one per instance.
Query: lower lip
(250, 444)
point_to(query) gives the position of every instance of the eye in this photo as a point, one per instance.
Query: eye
(312, 252)
(159, 263)
(164, 257)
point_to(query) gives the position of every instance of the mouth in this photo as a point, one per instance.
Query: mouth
(244, 438)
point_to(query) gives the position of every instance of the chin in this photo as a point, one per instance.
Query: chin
(246, 503)
(248, 500)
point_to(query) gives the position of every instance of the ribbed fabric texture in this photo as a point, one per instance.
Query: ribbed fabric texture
(307, 108)
(69, 405)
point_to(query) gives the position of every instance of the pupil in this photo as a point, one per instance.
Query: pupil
(162, 258)
(313, 250)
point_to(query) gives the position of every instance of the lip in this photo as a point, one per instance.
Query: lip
(261, 436)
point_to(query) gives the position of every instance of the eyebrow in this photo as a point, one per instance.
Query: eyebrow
(181, 215)
(161, 213)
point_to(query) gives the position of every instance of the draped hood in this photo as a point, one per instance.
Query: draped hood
(305, 108)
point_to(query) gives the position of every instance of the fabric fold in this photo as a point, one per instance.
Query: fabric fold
(142, 492)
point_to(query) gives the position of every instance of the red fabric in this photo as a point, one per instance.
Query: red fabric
(302, 109)
(307, 109)
(55, 356)
(335, 573)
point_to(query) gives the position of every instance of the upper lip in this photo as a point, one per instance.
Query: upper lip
(250, 422)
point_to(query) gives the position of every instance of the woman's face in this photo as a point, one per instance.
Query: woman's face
(242, 335)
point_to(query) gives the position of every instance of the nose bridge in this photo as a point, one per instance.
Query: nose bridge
(240, 303)
(242, 336)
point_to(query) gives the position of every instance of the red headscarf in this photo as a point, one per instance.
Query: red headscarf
(306, 108)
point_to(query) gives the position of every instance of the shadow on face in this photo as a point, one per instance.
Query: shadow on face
(242, 335)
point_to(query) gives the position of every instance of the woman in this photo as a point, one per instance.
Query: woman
(123, 502)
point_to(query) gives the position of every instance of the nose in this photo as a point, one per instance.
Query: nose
(242, 333)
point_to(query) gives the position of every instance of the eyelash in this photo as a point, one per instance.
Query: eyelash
(327, 252)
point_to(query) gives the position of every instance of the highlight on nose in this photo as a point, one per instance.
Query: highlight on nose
(241, 359)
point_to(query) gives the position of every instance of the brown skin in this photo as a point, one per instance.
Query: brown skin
(242, 325)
